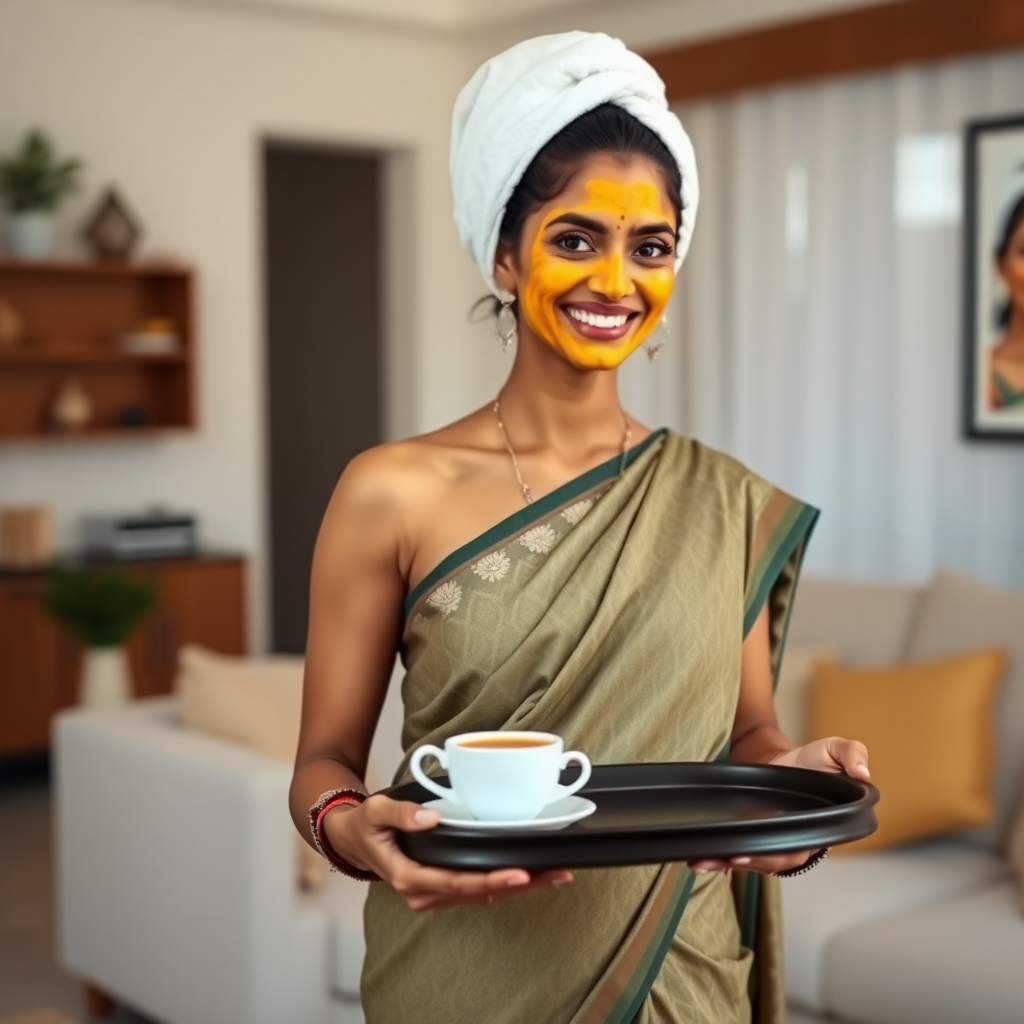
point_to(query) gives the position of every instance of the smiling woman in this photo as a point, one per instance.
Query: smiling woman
(549, 564)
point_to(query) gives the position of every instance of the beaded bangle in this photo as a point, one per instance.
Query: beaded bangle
(801, 869)
(334, 798)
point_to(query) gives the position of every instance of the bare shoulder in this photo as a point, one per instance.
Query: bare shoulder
(392, 484)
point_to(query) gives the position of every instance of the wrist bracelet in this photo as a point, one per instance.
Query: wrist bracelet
(335, 798)
(812, 862)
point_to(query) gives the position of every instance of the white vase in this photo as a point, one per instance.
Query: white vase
(30, 234)
(105, 682)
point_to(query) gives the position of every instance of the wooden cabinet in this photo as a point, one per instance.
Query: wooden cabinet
(200, 601)
(74, 317)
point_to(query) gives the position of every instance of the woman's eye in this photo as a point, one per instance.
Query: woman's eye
(574, 243)
(653, 248)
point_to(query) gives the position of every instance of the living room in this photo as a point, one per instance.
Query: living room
(836, 326)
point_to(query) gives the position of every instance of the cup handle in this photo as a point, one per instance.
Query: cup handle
(425, 780)
(584, 762)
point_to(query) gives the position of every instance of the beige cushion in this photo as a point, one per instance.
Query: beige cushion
(958, 961)
(864, 624)
(793, 691)
(960, 614)
(1017, 855)
(845, 892)
(253, 701)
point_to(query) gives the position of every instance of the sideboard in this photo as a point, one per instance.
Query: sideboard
(201, 600)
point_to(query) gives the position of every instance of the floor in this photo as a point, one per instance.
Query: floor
(30, 977)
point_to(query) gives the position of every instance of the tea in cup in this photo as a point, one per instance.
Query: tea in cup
(502, 776)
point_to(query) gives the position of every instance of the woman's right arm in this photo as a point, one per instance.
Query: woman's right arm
(356, 596)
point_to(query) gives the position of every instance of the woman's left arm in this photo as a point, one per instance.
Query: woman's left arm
(756, 739)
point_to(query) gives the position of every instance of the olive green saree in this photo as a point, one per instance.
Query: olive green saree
(612, 612)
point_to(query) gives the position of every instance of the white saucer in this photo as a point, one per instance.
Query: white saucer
(556, 815)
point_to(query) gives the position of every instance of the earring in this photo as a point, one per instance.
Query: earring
(506, 327)
(656, 342)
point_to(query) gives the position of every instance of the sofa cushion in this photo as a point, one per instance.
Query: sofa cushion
(957, 615)
(865, 624)
(256, 702)
(849, 891)
(951, 962)
(793, 690)
(1017, 855)
(253, 701)
(929, 732)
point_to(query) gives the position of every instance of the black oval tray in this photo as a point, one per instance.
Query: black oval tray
(654, 813)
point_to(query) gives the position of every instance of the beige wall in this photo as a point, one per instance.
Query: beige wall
(170, 102)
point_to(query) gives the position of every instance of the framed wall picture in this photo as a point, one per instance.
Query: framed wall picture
(994, 280)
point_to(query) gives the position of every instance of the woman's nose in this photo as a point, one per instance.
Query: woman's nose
(609, 278)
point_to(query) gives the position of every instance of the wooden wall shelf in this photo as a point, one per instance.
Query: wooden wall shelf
(74, 315)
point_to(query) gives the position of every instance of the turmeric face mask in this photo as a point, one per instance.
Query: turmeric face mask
(601, 272)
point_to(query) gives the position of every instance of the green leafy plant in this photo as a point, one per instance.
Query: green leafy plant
(100, 606)
(33, 178)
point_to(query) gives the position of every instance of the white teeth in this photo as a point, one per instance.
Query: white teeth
(595, 319)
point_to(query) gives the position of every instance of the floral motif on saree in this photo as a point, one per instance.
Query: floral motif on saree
(613, 613)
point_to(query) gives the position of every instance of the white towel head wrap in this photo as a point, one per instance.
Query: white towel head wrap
(518, 101)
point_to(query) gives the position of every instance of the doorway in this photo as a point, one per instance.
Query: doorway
(323, 227)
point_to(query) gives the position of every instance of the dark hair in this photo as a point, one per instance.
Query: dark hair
(606, 129)
(1013, 221)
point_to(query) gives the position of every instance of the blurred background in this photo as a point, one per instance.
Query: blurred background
(228, 264)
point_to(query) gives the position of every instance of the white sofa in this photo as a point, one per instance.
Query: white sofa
(177, 870)
(177, 877)
(931, 933)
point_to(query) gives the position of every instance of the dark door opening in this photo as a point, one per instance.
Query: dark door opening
(322, 266)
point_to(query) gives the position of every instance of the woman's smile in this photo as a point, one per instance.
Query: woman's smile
(600, 321)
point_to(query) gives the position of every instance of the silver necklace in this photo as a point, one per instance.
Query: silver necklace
(523, 485)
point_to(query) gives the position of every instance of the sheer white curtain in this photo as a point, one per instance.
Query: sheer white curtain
(816, 330)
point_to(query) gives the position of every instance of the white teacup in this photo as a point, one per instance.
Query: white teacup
(502, 776)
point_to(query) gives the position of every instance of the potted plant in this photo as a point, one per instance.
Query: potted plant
(32, 182)
(101, 607)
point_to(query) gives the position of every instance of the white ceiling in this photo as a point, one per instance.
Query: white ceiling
(450, 15)
(627, 18)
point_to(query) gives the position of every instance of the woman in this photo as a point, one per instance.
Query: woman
(632, 597)
(1006, 361)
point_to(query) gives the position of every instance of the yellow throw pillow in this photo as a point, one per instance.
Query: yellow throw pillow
(256, 702)
(929, 730)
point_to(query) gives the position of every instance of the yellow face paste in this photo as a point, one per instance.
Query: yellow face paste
(612, 273)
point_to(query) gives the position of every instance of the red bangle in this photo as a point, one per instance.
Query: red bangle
(317, 813)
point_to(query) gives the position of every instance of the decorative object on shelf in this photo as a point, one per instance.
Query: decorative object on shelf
(26, 537)
(12, 327)
(111, 229)
(102, 608)
(33, 182)
(152, 337)
(994, 280)
(72, 408)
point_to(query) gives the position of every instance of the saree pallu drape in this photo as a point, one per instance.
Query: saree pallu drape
(613, 613)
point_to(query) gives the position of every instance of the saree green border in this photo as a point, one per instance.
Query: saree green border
(542, 508)
(793, 531)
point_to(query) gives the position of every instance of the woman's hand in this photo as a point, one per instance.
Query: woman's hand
(832, 755)
(365, 836)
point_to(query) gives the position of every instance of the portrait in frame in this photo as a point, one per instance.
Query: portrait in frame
(994, 280)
